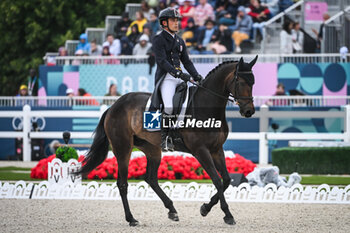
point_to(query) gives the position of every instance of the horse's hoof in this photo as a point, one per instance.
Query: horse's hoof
(134, 223)
(204, 210)
(229, 220)
(173, 216)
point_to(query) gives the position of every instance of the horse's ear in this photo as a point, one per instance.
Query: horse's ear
(252, 63)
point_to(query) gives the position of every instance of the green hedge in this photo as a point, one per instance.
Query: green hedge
(312, 160)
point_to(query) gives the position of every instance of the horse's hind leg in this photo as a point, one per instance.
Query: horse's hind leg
(122, 147)
(153, 154)
(220, 164)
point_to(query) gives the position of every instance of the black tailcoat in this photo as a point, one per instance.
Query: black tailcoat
(169, 52)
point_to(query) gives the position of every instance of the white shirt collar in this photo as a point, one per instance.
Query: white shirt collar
(173, 35)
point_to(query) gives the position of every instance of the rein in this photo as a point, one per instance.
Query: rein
(234, 80)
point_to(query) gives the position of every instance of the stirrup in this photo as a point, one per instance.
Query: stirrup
(170, 146)
(164, 145)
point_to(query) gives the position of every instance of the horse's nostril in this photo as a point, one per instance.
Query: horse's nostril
(248, 113)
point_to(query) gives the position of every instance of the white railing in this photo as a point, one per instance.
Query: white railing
(56, 101)
(273, 101)
(263, 58)
(263, 135)
(336, 31)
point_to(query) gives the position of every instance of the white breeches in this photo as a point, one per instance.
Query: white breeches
(167, 90)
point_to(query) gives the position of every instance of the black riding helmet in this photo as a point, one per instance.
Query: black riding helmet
(168, 13)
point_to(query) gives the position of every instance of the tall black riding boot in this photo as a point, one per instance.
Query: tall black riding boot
(167, 141)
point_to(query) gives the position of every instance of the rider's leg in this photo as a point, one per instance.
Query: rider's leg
(167, 90)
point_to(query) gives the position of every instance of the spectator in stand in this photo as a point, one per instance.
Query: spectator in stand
(95, 49)
(139, 22)
(33, 83)
(272, 5)
(284, 4)
(153, 3)
(205, 38)
(186, 11)
(161, 6)
(223, 43)
(113, 44)
(190, 35)
(147, 31)
(319, 33)
(83, 43)
(286, 38)
(105, 51)
(62, 51)
(127, 46)
(134, 36)
(298, 38)
(146, 10)
(203, 12)
(122, 26)
(242, 28)
(260, 15)
(23, 90)
(89, 100)
(174, 4)
(77, 61)
(70, 94)
(244, 3)
(343, 54)
(280, 91)
(142, 47)
(113, 90)
(154, 24)
(229, 6)
(226, 18)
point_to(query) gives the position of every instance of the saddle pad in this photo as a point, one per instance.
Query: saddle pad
(190, 88)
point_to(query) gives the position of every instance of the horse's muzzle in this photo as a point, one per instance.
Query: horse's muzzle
(248, 112)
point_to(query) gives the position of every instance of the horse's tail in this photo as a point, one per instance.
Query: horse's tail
(99, 148)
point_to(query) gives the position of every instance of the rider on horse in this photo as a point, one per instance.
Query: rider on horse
(170, 50)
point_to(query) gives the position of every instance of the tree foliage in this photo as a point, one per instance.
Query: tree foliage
(29, 29)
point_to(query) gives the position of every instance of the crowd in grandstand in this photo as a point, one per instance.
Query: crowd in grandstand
(207, 26)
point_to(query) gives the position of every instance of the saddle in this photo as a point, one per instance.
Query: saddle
(182, 100)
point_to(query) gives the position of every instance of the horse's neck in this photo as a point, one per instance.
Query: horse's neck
(215, 82)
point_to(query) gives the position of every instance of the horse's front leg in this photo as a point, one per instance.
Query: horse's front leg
(153, 161)
(204, 157)
(220, 164)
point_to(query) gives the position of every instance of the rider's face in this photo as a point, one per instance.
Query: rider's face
(173, 24)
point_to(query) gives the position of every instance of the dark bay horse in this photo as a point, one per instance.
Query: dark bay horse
(121, 126)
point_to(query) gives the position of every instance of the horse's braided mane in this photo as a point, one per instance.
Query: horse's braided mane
(218, 66)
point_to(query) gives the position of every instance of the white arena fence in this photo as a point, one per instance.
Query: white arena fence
(263, 136)
(65, 101)
(177, 192)
(263, 58)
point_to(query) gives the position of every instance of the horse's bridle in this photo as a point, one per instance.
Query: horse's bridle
(233, 81)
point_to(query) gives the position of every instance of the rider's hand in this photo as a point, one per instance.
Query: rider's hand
(185, 77)
(198, 78)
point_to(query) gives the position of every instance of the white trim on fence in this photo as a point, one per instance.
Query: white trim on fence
(263, 135)
(193, 191)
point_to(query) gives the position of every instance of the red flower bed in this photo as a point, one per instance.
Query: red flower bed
(171, 167)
